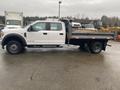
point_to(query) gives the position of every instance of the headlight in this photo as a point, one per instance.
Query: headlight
(1, 33)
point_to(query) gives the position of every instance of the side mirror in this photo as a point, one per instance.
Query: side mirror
(30, 29)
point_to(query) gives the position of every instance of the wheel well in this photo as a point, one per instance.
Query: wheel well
(16, 38)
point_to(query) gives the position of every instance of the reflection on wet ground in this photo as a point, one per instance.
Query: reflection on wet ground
(61, 69)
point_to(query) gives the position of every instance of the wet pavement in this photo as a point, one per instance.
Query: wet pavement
(61, 69)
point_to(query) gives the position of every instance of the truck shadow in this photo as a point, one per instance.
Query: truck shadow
(62, 55)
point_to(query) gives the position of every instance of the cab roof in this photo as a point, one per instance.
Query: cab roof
(46, 21)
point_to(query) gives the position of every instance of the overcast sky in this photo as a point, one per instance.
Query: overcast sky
(78, 8)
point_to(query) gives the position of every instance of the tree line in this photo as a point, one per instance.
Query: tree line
(104, 21)
(110, 21)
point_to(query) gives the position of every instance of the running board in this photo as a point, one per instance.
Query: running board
(44, 46)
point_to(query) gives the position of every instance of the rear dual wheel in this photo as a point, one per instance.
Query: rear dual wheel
(82, 47)
(96, 47)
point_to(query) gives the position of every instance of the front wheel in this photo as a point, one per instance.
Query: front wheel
(96, 47)
(14, 47)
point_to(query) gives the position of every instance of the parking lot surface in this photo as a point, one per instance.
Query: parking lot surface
(61, 69)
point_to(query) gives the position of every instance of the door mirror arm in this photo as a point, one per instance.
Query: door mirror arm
(30, 29)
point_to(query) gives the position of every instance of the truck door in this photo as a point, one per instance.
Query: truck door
(56, 33)
(46, 33)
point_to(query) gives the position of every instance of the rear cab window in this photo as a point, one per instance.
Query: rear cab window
(55, 26)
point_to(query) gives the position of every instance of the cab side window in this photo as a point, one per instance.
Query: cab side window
(46, 26)
(39, 26)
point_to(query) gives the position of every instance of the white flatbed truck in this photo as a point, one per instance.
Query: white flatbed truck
(52, 33)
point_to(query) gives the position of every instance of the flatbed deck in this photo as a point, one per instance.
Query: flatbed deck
(92, 35)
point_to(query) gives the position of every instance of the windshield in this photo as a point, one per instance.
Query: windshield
(13, 22)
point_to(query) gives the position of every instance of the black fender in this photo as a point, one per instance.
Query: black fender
(9, 37)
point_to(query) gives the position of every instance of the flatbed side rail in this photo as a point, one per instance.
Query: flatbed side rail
(109, 36)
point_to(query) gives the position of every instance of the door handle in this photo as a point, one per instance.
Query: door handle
(61, 34)
(25, 35)
(44, 33)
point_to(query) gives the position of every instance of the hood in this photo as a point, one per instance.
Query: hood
(12, 27)
(13, 30)
(7, 31)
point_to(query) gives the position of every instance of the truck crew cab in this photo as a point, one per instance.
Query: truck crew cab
(52, 33)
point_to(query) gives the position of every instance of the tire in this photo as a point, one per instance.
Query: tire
(23, 50)
(82, 47)
(14, 47)
(96, 47)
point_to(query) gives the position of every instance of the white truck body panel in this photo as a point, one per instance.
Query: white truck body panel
(52, 37)
(38, 38)
(14, 18)
(19, 31)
